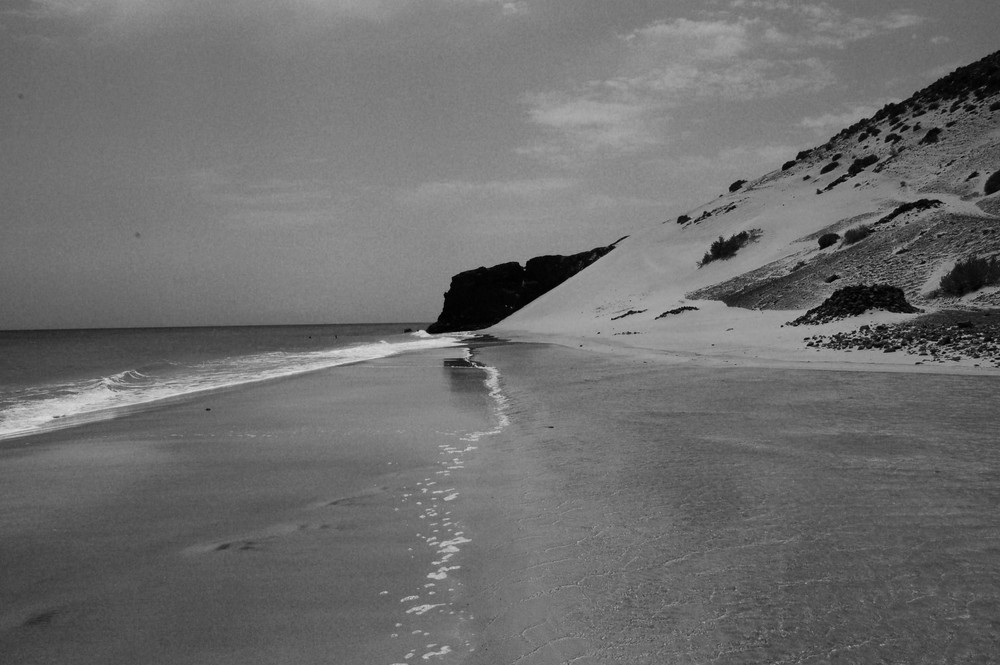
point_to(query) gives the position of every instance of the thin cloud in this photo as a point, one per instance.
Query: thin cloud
(826, 122)
(818, 24)
(596, 120)
(217, 188)
(741, 80)
(691, 40)
(113, 20)
(463, 192)
(752, 51)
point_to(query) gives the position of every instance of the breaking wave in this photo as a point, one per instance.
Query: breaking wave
(42, 408)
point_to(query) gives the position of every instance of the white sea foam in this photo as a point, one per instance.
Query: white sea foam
(492, 382)
(47, 407)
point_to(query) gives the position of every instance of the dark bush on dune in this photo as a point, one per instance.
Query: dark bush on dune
(970, 275)
(852, 236)
(724, 248)
(828, 239)
(992, 184)
(860, 164)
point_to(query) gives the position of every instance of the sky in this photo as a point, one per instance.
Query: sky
(203, 162)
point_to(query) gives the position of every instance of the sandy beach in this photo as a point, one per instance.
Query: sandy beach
(604, 508)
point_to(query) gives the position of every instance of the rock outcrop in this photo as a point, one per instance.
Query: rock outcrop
(855, 301)
(483, 297)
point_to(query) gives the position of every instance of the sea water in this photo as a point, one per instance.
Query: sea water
(59, 378)
(320, 516)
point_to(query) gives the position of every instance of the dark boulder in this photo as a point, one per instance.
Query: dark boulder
(483, 297)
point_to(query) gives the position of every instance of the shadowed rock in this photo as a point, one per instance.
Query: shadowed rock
(483, 297)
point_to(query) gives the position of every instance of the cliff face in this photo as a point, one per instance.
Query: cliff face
(482, 297)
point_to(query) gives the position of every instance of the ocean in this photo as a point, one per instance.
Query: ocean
(52, 379)
(241, 495)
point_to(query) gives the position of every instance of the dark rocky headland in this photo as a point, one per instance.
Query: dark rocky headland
(483, 297)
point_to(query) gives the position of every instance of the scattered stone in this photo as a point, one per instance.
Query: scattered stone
(934, 338)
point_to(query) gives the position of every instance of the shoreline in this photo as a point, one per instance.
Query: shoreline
(526, 502)
(311, 518)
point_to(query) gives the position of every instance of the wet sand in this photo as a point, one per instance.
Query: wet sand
(630, 512)
(291, 522)
(659, 513)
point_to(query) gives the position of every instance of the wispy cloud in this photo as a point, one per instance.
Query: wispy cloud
(266, 20)
(849, 114)
(598, 119)
(464, 192)
(536, 207)
(248, 198)
(753, 49)
(819, 24)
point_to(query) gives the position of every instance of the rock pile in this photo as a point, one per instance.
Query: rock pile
(855, 301)
(938, 342)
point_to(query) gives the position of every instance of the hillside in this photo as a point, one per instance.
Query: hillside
(916, 174)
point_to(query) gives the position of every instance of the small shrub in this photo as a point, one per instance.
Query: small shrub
(828, 239)
(803, 154)
(856, 234)
(789, 164)
(995, 106)
(679, 310)
(839, 181)
(683, 219)
(970, 275)
(861, 163)
(992, 184)
(931, 136)
(829, 167)
(735, 187)
(893, 137)
(725, 248)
